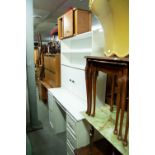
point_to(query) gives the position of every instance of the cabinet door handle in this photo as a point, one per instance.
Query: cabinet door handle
(73, 81)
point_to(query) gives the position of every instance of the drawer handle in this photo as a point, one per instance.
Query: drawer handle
(73, 81)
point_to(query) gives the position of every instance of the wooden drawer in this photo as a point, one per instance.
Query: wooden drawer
(72, 124)
(72, 139)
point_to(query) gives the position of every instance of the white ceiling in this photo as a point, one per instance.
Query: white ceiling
(46, 12)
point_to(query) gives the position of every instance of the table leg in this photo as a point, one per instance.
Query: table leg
(87, 85)
(95, 74)
(112, 93)
(88, 76)
(123, 101)
(127, 128)
(90, 90)
(118, 102)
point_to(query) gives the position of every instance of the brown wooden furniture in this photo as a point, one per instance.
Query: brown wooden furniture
(52, 74)
(116, 67)
(74, 22)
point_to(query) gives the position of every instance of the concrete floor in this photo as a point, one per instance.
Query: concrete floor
(45, 141)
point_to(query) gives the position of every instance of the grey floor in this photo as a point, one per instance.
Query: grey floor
(45, 141)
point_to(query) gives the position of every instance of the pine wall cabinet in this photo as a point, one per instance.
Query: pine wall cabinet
(73, 22)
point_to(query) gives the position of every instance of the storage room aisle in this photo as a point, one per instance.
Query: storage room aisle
(45, 141)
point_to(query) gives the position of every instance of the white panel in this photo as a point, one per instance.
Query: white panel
(57, 113)
(66, 59)
(79, 86)
(65, 76)
(65, 46)
(78, 44)
(74, 80)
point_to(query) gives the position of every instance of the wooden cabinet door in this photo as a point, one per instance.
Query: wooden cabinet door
(68, 23)
(60, 28)
(82, 21)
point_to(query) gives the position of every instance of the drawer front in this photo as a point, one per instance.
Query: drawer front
(71, 130)
(71, 138)
(71, 123)
(70, 149)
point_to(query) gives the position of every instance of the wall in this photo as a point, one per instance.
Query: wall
(32, 100)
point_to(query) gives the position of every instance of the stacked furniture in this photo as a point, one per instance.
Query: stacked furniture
(69, 103)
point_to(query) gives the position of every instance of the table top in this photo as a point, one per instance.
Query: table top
(71, 103)
(104, 122)
(111, 59)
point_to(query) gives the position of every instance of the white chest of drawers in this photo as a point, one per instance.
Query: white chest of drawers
(77, 134)
(60, 102)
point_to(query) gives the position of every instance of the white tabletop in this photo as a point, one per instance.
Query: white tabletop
(70, 103)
